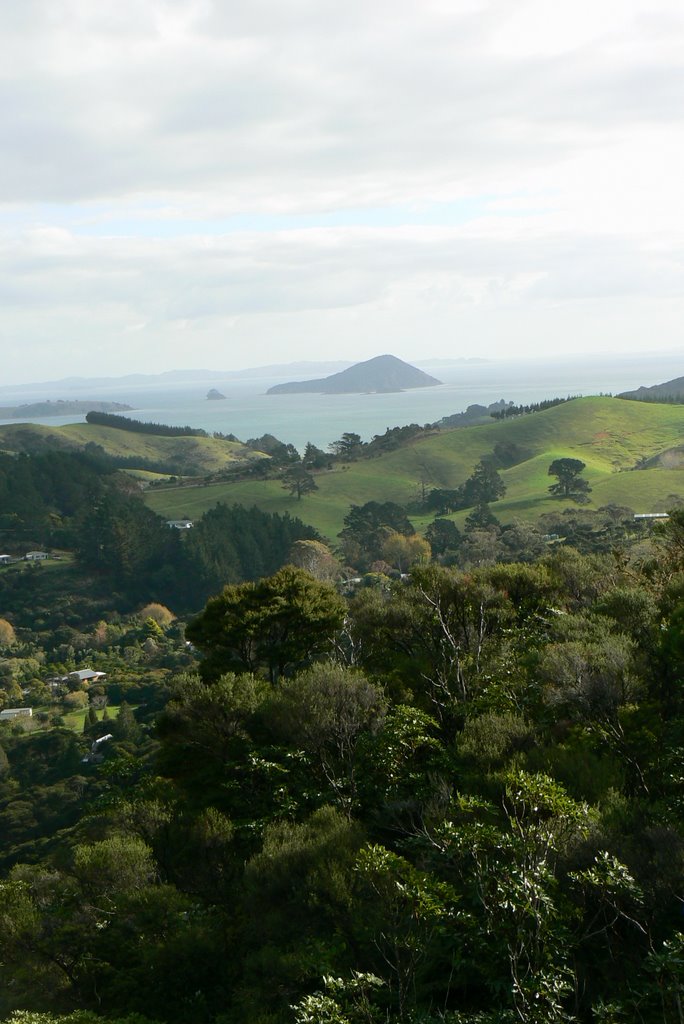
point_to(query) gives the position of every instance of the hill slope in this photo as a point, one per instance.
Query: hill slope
(608, 435)
(383, 373)
(188, 456)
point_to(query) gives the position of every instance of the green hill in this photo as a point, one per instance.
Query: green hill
(188, 456)
(609, 435)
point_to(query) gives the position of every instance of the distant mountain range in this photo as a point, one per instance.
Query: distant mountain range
(300, 368)
(177, 376)
(381, 374)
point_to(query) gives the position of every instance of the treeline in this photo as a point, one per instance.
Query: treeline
(454, 799)
(110, 462)
(484, 485)
(473, 414)
(106, 419)
(656, 399)
(40, 495)
(75, 500)
(120, 538)
(522, 410)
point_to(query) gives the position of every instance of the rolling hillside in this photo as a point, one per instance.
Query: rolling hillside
(609, 435)
(191, 456)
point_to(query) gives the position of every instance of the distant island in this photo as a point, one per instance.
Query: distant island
(379, 375)
(214, 396)
(62, 407)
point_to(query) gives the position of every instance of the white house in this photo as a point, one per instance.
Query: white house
(86, 675)
(179, 524)
(5, 559)
(36, 556)
(9, 713)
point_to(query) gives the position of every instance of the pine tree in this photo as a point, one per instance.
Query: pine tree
(89, 720)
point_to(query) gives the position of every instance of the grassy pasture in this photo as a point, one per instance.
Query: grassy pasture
(74, 719)
(609, 435)
(195, 456)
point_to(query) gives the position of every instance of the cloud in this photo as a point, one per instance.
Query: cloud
(291, 104)
(283, 167)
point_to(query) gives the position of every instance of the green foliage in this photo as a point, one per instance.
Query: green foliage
(296, 887)
(484, 485)
(327, 711)
(298, 481)
(107, 419)
(408, 915)
(281, 454)
(349, 446)
(314, 458)
(366, 528)
(569, 482)
(443, 536)
(473, 815)
(77, 1017)
(490, 739)
(522, 410)
(403, 761)
(344, 1002)
(229, 545)
(121, 537)
(281, 623)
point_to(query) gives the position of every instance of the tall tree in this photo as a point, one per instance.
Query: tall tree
(484, 485)
(442, 535)
(314, 458)
(349, 446)
(569, 482)
(315, 558)
(366, 528)
(282, 622)
(299, 481)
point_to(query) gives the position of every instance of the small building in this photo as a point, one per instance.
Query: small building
(86, 675)
(36, 556)
(651, 515)
(102, 739)
(6, 559)
(180, 524)
(9, 713)
(96, 756)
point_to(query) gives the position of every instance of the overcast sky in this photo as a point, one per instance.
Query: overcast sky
(229, 183)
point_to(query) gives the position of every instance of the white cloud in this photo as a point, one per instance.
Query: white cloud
(132, 131)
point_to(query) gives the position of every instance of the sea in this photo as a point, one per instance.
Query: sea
(248, 412)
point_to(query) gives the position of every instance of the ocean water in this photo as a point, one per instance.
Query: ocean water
(249, 412)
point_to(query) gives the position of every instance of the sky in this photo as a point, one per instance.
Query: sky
(230, 183)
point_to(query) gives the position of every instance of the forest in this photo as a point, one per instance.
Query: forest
(446, 790)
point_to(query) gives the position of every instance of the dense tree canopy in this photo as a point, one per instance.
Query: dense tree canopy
(366, 528)
(453, 797)
(279, 623)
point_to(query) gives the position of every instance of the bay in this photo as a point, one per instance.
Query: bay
(248, 412)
